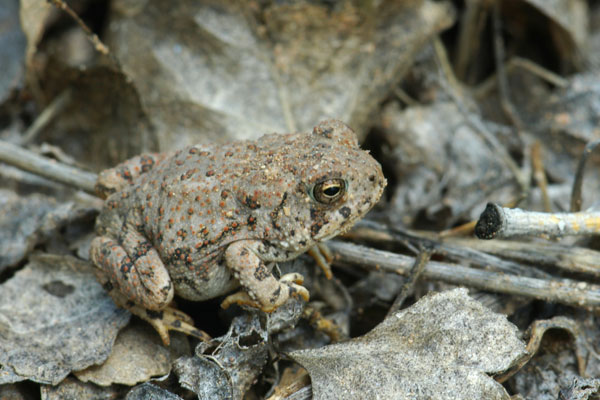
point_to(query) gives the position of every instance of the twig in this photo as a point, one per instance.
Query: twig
(366, 230)
(536, 333)
(98, 45)
(540, 253)
(501, 222)
(441, 57)
(579, 294)
(416, 271)
(539, 174)
(527, 65)
(576, 198)
(54, 108)
(479, 127)
(473, 22)
(464, 229)
(502, 81)
(42, 166)
(405, 97)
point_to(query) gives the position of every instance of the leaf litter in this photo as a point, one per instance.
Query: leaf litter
(183, 72)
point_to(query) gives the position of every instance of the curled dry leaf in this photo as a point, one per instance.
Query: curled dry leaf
(441, 347)
(227, 368)
(55, 318)
(137, 356)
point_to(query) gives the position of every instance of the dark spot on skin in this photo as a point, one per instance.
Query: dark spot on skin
(126, 268)
(141, 250)
(275, 295)
(147, 163)
(154, 314)
(345, 211)
(176, 323)
(315, 228)
(124, 173)
(313, 214)
(261, 273)
(251, 203)
(244, 252)
(292, 233)
(58, 288)
(188, 174)
(372, 178)
(275, 213)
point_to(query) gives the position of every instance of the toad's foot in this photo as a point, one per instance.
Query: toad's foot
(163, 321)
(323, 257)
(292, 281)
(169, 319)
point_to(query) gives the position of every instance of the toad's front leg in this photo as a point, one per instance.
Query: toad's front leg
(261, 289)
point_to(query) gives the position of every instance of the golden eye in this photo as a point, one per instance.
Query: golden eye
(329, 191)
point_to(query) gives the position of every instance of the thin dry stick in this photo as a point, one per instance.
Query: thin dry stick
(541, 253)
(98, 45)
(579, 294)
(576, 198)
(375, 232)
(472, 23)
(502, 80)
(501, 222)
(416, 271)
(517, 62)
(479, 127)
(52, 110)
(539, 174)
(42, 166)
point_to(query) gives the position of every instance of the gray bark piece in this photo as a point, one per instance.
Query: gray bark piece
(442, 347)
(54, 318)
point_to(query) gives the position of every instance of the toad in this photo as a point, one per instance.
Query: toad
(207, 219)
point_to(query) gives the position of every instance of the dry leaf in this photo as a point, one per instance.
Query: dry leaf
(442, 347)
(137, 355)
(55, 318)
(218, 70)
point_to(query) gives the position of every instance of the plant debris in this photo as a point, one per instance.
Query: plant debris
(463, 103)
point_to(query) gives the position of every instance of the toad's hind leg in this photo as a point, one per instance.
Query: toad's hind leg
(135, 269)
(136, 279)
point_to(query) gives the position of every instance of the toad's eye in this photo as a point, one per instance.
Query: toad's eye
(328, 191)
